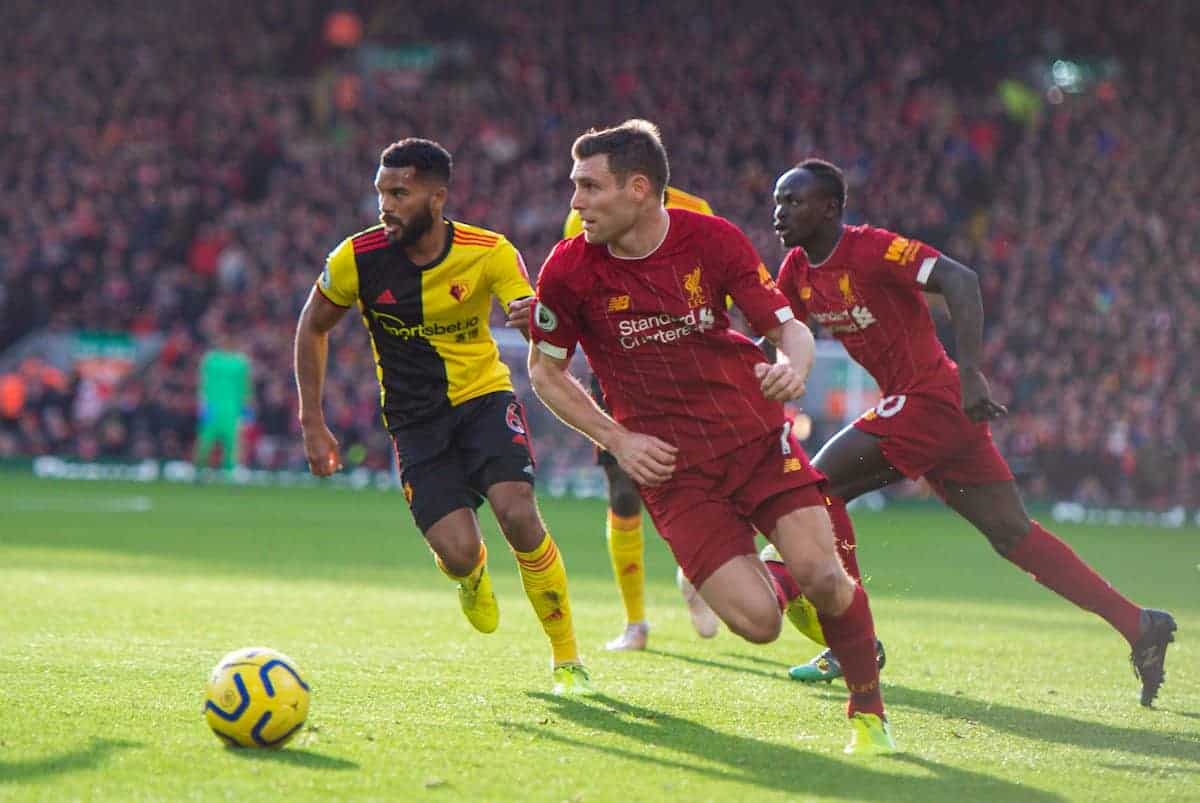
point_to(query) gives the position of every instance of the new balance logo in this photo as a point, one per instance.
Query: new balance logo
(386, 297)
(862, 316)
(902, 250)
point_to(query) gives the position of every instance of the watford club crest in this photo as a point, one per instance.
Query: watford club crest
(514, 418)
(460, 288)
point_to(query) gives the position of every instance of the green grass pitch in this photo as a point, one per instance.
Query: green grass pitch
(117, 599)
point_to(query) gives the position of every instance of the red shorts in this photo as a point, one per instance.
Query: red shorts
(708, 513)
(928, 435)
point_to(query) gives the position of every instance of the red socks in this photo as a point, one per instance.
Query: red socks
(851, 637)
(786, 589)
(1056, 566)
(843, 535)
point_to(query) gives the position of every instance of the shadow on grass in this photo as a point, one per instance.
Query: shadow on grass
(297, 758)
(85, 758)
(768, 766)
(712, 664)
(1178, 713)
(1040, 725)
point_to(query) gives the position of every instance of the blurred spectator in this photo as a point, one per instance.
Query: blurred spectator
(168, 164)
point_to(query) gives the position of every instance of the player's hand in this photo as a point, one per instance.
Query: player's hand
(977, 399)
(518, 314)
(321, 449)
(645, 458)
(780, 381)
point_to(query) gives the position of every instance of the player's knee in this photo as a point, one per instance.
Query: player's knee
(827, 586)
(623, 497)
(759, 623)
(518, 518)
(757, 631)
(625, 502)
(460, 557)
(1005, 532)
(520, 522)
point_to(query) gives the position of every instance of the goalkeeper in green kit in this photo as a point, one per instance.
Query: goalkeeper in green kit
(225, 395)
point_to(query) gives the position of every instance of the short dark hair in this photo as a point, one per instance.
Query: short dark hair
(634, 146)
(830, 178)
(425, 156)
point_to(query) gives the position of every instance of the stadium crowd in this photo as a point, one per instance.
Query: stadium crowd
(180, 167)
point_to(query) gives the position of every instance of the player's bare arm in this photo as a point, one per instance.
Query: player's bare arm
(317, 318)
(959, 286)
(648, 460)
(796, 351)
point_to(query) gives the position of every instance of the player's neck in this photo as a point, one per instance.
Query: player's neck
(644, 237)
(821, 246)
(431, 245)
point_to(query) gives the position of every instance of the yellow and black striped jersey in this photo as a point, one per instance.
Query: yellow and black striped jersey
(676, 199)
(428, 323)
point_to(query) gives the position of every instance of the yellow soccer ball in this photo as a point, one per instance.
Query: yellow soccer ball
(256, 698)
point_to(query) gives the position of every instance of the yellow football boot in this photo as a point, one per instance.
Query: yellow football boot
(870, 735)
(572, 679)
(479, 602)
(800, 612)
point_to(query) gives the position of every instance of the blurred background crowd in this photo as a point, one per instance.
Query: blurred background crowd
(181, 169)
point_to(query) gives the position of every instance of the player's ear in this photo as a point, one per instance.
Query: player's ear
(641, 187)
(438, 199)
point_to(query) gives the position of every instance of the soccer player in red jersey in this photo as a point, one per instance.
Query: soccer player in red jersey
(865, 285)
(697, 416)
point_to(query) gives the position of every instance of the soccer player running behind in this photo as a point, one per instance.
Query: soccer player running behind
(424, 285)
(697, 415)
(623, 530)
(865, 284)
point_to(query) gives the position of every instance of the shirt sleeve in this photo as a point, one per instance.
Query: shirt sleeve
(749, 282)
(898, 260)
(339, 280)
(790, 285)
(554, 318)
(509, 278)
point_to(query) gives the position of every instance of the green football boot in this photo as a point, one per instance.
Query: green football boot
(826, 668)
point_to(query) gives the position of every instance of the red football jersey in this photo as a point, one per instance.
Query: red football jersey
(868, 294)
(657, 335)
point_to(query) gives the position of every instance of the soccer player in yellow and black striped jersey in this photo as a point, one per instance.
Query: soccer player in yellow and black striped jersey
(624, 526)
(424, 286)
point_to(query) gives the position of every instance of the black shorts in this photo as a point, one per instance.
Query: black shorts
(450, 462)
(603, 457)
